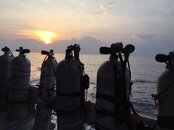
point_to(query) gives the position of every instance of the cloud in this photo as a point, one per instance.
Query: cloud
(145, 37)
(89, 45)
(104, 8)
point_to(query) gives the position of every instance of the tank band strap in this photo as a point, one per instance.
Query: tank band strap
(166, 122)
(3, 95)
(18, 77)
(103, 112)
(74, 123)
(17, 89)
(106, 97)
(18, 102)
(74, 94)
(100, 127)
(72, 112)
(23, 71)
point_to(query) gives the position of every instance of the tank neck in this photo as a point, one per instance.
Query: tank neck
(21, 54)
(7, 53)
(51, 58)
(113, 58)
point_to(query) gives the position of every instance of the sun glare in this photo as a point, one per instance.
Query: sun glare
(46, 36)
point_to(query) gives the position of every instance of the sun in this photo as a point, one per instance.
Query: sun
(46, 36)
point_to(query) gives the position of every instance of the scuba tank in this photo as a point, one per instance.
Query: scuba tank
(46, 88)
(5, 60)
(19, 85)
(165, 91)
(71, 83)
(113, 89)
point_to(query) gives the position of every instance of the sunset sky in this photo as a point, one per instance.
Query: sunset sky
(131, 21)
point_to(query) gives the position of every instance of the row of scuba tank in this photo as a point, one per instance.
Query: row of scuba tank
(113, 108)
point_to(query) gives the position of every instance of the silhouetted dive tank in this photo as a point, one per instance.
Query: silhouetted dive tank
(113, 89)
(70, 91)
(19, 85)
(46, 89)
(165, 93)
(5, 61)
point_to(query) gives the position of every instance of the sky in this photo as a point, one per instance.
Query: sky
(148, 24)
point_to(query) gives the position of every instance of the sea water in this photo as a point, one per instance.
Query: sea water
(145, 72)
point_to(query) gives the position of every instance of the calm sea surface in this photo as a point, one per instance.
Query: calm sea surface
(145, 72)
